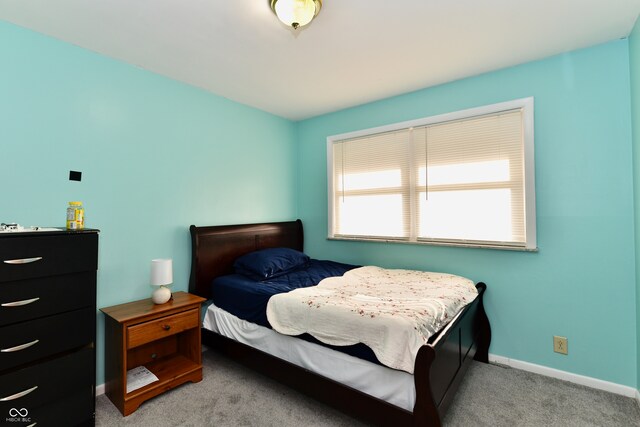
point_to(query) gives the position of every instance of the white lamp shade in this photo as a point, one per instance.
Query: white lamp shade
(161, 272)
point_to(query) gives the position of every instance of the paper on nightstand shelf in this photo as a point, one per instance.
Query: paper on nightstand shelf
(139, 377)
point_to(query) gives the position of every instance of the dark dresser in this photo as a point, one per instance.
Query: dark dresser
(48, 327)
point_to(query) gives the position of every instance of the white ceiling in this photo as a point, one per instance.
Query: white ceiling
(356, 51)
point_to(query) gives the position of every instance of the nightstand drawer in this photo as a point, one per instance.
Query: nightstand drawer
(27, 341)
(160, 328)
(39, 256)
(29, 299)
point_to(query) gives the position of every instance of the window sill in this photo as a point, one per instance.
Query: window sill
(437, 243)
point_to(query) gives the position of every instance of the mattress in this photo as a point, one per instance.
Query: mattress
(393, 386)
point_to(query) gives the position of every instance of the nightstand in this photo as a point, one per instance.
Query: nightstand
(163, 338)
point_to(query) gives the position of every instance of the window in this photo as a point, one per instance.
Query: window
(464, 178)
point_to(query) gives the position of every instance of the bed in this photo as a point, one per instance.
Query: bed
(439, 366)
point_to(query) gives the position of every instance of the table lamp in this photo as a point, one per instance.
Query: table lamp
(161, 276)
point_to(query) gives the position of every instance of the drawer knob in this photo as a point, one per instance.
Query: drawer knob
(19, 303)
(166, 327)
(18, 395)
(22, 260)
(19, 347)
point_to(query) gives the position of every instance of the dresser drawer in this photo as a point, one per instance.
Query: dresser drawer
(25, 342)
(28, 299)
(55, 386)
(160, 328)
(38, 256)
(68, 410)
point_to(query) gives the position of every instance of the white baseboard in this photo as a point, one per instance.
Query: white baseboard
(99, 390)
(567, 376)
(638, 398)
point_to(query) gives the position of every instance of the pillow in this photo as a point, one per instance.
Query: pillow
(268, 263)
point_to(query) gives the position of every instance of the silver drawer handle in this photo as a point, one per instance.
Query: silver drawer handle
(23, 260)
(19, 347)
(18, 395)
(19, 303)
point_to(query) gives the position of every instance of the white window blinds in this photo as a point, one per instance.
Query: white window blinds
(372, 185)
(457, 179)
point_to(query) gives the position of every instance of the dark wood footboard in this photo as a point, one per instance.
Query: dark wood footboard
(439, 367)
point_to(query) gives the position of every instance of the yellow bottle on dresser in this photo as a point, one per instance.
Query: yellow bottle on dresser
(75, 216)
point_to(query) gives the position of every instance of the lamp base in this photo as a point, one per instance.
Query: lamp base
(161, 295)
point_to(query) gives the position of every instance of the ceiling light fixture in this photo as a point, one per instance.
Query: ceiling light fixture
(296, 13)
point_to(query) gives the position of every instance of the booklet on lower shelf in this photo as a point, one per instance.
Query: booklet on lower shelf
(139, 377)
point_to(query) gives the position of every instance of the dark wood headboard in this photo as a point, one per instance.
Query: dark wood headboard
(215, 248)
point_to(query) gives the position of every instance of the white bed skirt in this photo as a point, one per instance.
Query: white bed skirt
(393, 386)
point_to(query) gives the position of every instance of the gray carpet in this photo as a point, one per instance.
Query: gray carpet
(490, 395)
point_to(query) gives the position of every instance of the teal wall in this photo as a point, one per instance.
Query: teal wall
(581, 283)
(156, 156)
(634, 60)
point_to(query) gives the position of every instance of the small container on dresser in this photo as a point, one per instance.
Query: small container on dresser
(48, 327)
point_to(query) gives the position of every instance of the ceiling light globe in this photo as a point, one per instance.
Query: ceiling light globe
(296, 13)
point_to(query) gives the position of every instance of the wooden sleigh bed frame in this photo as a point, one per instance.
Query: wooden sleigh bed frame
(439, 366)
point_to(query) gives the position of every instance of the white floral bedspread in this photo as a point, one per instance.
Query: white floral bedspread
(393, 312)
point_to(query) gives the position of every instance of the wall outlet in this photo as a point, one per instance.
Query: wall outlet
(560, 345)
